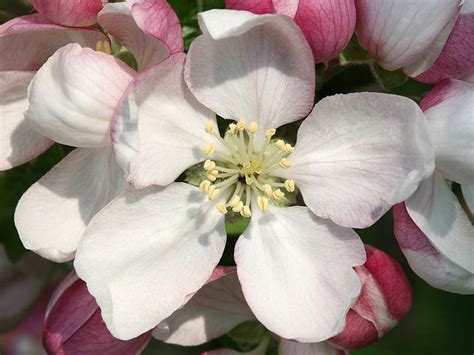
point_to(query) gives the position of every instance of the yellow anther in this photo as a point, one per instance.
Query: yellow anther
(213, 192)
(204, 186)
(209, 165)
(267, 189)
(270, 133)
(214, 172)
(234, 201)
(280, 143)
(221, 208)
(208, 149)
(238, 207)
(284, 163)
(211, 177)
(210, 127)
(288, 148)
(233, 128)
(248, 180)
(246, 164)
(104, 47)
(262, 203)
(290, 185)
(278, 194)
(241, 125)
(253, 127)
(246, 212)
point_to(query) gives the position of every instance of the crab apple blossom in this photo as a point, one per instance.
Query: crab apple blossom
(220, 305)
(431, 40)
(147, 250)
(72, 13)
(72, 100)
(73, 324)
(328, 25)
(433, 230)
(26, 43)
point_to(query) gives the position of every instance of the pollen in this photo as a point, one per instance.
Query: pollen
(244, 168)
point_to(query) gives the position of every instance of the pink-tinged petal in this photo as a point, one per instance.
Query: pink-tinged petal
(385, 298)
(19, 143)
(397, 32)
(457, 56)
(289, 347)
(296, 272)
(437, 213)
(144, 253)
(468, 194)
(328, 26)
(73, 324)
(426, 261)
(449, 108)
(348, 168)
(213, 311)
(149, 28)
(252, 67)
(74, 94)
(255, 6)
(27, 42)
(52, 215)
(71, 13)
(159, 127)
(20, 285)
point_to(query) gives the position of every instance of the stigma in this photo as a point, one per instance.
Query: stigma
(243, 175)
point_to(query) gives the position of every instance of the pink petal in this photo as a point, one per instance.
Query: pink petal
(74, 324)
(255, 6)
(328, 26)
(26, 42)
(457, 56)
(149, 28)
(426, 261)
(72, 13)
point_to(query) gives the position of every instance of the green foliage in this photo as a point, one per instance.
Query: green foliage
(244, 337)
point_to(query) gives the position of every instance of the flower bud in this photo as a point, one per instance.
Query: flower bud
(73, 324)
(385, 298)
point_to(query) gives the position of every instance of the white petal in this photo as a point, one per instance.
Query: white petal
(468, 194)
(449, 109)
(19, 143)
(251, 67)
(74, 94)
(425, 260)
(296, 272)
(358, 154)
(213, 311)
(398, 32)
(146, 252)
(159, 128)
(288, 347)
(52, 215)
(437, 212)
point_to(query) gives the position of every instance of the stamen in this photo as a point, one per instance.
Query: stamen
(262, 203)
(209, 165)
(221, 208)
(246, 212)
(209, 149)
(210, 127)
(253, 127)
(284, 163)
(278, 194)
(267, 189)
(204, 186)
(289, 148)
(290, 185)
(240, 125)
(213, 192)
(270, 133)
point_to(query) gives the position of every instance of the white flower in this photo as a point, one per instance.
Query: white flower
(146, 252)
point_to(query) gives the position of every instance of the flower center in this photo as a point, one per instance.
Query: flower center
(245, 169)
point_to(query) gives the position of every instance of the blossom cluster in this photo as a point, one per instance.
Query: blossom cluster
(172, 147)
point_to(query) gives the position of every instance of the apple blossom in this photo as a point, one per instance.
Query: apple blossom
(73, 13)
(149, 249)
(220, 305)
(73, 324)
(328, 25)
(26, 43)
(433, 230)
(431, 40)
(72, 100)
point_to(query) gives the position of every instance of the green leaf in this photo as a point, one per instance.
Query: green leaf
(388, 80)
(244, 337)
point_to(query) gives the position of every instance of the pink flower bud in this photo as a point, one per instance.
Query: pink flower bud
(385, 298)
(74, 13)
(73, 324)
